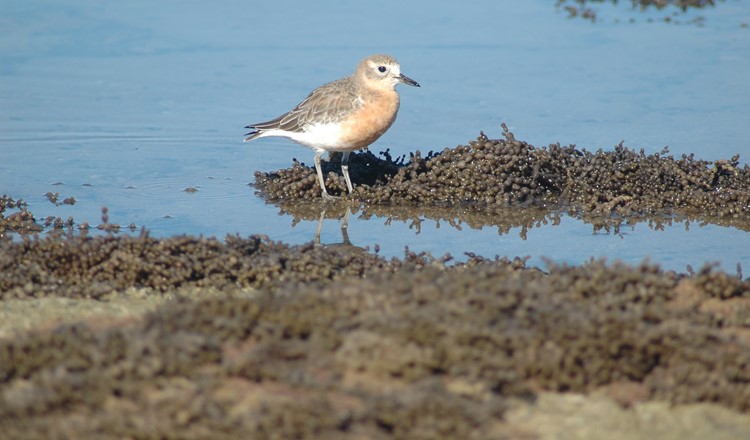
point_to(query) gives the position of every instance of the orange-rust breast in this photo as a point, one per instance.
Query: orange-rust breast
(373, 119)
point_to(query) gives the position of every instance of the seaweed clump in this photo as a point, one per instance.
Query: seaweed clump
(489, 173)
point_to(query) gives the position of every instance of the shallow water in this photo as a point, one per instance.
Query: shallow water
(126, 105)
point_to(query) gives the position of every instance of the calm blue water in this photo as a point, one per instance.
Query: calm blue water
(126, 104)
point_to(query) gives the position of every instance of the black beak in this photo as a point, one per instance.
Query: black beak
(406, 80)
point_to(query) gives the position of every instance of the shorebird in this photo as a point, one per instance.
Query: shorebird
(344, 115)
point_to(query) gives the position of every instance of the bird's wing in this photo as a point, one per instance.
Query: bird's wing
(328, 103)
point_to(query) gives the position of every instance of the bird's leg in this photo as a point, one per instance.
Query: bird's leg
(322, 181)
(345, 170)
(316, 240)
(345, 220)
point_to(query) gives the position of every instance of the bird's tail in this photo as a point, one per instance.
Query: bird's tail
(254, 133)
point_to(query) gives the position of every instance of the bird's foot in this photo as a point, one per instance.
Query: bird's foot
(327, 196)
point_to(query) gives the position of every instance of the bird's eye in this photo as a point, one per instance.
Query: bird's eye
(381, 69)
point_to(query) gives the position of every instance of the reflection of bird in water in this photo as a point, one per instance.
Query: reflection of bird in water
(346, 245)
(344, 115)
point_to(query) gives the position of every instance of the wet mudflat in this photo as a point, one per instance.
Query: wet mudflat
(126, 335)
(250, 337)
